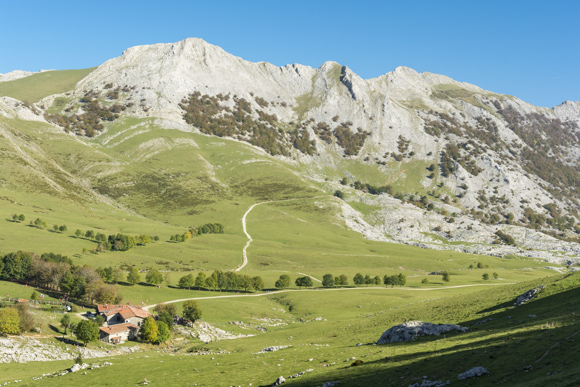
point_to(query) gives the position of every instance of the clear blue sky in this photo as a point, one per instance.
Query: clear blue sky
(530, 49)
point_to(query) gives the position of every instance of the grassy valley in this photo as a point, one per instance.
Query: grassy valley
(144, 176)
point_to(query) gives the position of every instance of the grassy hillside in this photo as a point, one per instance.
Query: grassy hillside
(533, 344)
(37, 86)
(141, 178)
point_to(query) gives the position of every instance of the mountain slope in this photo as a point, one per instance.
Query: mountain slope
(463, 168)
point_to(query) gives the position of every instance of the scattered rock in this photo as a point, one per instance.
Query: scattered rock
(412, 329)
(482, 321)
(23, 350)
(529, 295)
(430, 383)
(475, 371)
(273, 349)
(78, 367)
(279, 381)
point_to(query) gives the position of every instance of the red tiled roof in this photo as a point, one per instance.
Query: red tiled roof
(118, 328)
(126, 311)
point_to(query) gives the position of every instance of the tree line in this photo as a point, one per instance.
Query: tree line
(57, 272)
(220, 280)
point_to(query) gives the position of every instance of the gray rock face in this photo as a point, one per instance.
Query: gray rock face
(279, 381)
(23, 350)
(529, 295)
(475, 371)
(412, 329)
(396, 104)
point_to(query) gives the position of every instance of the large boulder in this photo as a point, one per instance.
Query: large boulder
(475, 371)
(527, 296)
(412, 329)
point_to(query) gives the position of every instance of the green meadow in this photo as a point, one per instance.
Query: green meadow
(140, 178)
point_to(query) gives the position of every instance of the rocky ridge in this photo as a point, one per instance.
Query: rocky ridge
(484, 146)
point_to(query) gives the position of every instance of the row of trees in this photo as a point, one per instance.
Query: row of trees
(228, 280)
(57, 272)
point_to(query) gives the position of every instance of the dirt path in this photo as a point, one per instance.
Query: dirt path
(244, 225)
(320, 290)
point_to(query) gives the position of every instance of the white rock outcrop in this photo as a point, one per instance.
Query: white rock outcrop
(411, 330)
(475, 371)
(529, 295)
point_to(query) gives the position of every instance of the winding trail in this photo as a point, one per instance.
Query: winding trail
(321, 290)
(244, 226)
(244, 251)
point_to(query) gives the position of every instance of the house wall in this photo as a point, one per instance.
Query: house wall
(135, 320)
(123, 336)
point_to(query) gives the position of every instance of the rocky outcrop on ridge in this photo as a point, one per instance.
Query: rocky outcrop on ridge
(498, 163)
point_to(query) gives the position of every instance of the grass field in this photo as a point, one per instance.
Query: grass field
(360, 316)
(37, 86)
(139, 178)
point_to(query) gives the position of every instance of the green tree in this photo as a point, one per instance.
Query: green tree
(495, 276)
(40, 223)
(9, 321)
(78, 233)
(149, 330)
(118, 275)
(358, 279)
(245, 282)
(163, 332)
(15, 217)
(210, 283)
(343, 279)
(369, 280)
(339, 194)
(485, 276)
(393, 280)
(133, 277)
(165, 308)
(62, 228)
(200, 280)
(55, 228)
(154, 277)
(425, 281)
(21, 217)
(67, 282)
(446, 277)
(187, 281)
(90, 234)
(328, 280)
(34, 295)
(191, 310)
(108, 274)
(303, 281)
(283, 282)
(87, 331)
(402, 279)
(377, 280)
(167, 319)
(65, 322)
(257, 283)
(143, 239)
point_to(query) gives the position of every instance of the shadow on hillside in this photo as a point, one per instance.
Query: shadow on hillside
(519, 350)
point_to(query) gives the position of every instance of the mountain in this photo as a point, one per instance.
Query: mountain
(418, 158)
